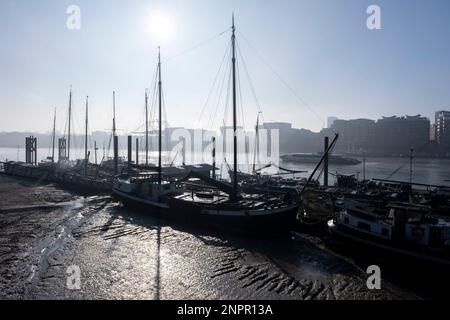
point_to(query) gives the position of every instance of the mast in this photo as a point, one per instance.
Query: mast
(233, 44)
(114, 113)
(86, 139)
(160, 113)
(146, 127)
(70, 121)
(53, 137)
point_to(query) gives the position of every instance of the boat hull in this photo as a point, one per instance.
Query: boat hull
(360, 240)
(131, 201)
(279, 221)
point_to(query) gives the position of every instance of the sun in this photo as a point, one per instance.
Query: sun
(160, 26)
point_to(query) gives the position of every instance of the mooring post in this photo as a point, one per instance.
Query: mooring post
(35, 151)
(27, 148)
(137, 151)
(214, 158)
(183, 151)
(116, 155)
(364, 167)
(31, 150)
(411, 157)
(62, 149)
(129, 153)
(325, 165)
(95, 150)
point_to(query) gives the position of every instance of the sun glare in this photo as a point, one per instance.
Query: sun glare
(161, 26)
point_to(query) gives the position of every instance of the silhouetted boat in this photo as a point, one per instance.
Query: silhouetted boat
(148, 189)
(225, 205)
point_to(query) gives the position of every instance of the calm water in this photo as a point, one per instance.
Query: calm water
(428, 171)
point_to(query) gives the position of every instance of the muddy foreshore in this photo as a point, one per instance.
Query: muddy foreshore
(122, 254)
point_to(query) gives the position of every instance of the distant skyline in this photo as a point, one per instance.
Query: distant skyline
(322, 49)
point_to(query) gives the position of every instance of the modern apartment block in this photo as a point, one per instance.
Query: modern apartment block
(442, 128)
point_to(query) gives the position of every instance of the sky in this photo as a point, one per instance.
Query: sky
(307, 60)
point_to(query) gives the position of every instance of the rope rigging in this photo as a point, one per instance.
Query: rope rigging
(284, 82)
(197, 46)
(215, 81)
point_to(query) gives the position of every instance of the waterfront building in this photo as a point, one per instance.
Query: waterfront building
(397, 135)
(356, 136)
(442, 128)
(330, 121)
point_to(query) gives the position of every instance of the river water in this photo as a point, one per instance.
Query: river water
(425, 170)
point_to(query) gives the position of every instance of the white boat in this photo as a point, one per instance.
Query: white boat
(404, 229)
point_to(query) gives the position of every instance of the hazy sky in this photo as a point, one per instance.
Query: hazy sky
(321, 48)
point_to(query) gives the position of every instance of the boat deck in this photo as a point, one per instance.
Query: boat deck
(246, 201)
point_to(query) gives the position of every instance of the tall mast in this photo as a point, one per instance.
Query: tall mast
(70, 121)
(114, 113)
(160, 114)
(146, 127)
(233, 43)
(54, 136)
(86, 139)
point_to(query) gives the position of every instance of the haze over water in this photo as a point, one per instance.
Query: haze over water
(425, 170)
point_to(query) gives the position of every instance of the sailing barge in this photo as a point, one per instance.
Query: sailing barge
(211, 202)
(229, 206)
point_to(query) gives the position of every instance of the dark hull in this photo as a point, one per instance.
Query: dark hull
(269, 224)
(396, 250)
(131, 203)
(65, 179)
(190, 214)
(271, 190)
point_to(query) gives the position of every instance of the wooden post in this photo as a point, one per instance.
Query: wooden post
(364, 167)
(137, 151)
(130, 146)
(325, 170)
(95, 151)
(116, 155)
(214, 158)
